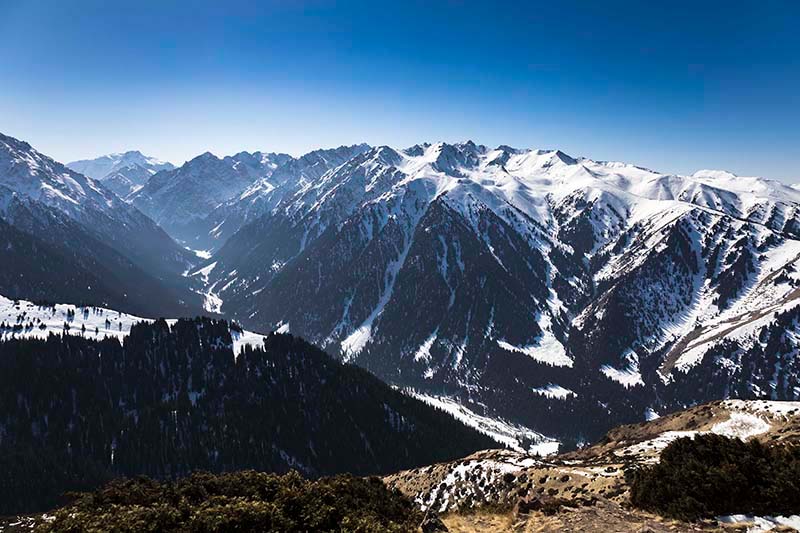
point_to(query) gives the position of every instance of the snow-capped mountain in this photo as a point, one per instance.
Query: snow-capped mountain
(122, 173)
(268, 192)
(224, 195)
(528, 284)
(101, 167)
(179, 199)
(96, 235)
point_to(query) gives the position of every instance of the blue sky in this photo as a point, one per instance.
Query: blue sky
(675, 86)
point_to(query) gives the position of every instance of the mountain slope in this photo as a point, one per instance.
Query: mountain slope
(79, 218)
(193, 394)
(34, 176)
(267, 193)
(67, 264)
(527, 284)
(121, 173)
(177, 199)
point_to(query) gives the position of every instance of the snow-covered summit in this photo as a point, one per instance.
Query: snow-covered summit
(100, 167)
(123, 172)
(525, 178)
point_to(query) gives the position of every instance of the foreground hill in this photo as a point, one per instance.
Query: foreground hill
(689, 469)
(241, 501)
(171, 398)
(238, 501)
(588, 490)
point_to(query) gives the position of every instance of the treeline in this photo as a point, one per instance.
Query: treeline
(75, 413)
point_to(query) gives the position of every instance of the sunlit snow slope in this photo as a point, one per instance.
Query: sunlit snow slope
(23, 319)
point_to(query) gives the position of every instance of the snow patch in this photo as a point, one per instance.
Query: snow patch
(38, 322)
(626, 377)
(650, 414)
(424, 351)
(759, 524)
(629, 376)
(548, 351)
(513, 436)
(554, 391)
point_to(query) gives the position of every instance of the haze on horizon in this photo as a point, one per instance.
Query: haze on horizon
(674, 87)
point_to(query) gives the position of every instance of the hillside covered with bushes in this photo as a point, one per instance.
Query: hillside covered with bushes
(172, 399)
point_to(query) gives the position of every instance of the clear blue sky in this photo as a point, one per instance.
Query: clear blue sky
(674, 86)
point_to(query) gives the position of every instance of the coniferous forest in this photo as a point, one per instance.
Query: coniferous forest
(75, 413)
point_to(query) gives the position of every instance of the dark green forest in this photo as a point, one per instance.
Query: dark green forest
(76, 413)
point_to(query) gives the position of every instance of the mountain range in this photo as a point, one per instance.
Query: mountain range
(529, 285)
(530, 292)
(208, 199)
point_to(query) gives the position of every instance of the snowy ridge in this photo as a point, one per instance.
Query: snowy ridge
(24, 319)
(745, 419)
(102, 167)
(122, 173)
(32, 175)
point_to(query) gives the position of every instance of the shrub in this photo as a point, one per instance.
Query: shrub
(713, 475)
(240, 501)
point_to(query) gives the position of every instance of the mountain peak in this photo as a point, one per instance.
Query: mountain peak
(131, 153)
(417, 150)
(202, 158)
(508, 149)
(569, 160)
(121, 172)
